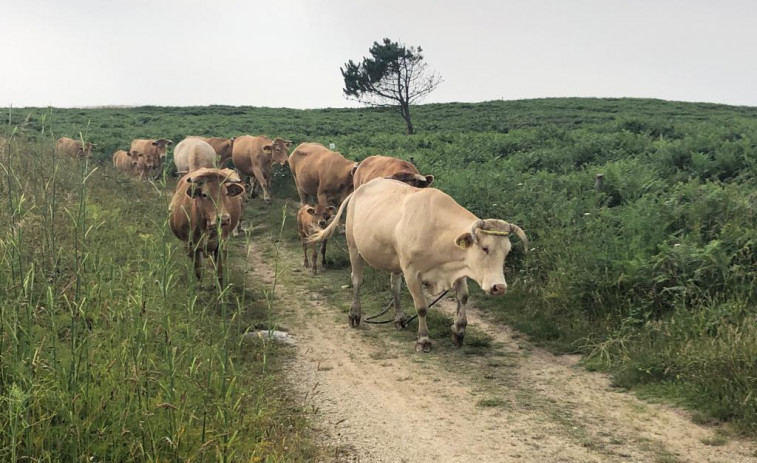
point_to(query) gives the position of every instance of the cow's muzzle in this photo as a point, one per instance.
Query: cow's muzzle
(498, 290)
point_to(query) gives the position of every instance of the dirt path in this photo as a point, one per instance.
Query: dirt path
(376, 400)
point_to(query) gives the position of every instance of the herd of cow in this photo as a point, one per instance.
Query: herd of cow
(394, 222)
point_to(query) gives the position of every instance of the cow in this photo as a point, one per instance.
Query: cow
(254, 157)
(222, 146)
(321, 173)
(127, 162)
(387, 167)
(308, 223)
(427, 237)
(73, 148)
(205, 208)
(193, 153)
(153, 151)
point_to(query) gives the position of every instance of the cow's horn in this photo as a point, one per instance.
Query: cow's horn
(476, 225)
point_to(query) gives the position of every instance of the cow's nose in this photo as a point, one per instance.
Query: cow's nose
(225, 219)
(498, 290)
(322, 224)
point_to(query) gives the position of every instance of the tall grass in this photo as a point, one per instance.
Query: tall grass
(108, 349)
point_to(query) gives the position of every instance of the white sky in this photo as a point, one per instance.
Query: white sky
(287, 53)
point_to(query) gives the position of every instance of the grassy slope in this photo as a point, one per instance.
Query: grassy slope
(108, 348)
(654, 276)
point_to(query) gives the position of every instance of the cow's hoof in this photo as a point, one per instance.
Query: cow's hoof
(401, 323)
(423, 346)
(458, 338)
(354, 320)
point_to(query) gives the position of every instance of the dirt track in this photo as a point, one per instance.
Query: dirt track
(376, 400)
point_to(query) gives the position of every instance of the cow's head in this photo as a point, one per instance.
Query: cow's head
(279, 150)
(134, 158)
(161, 146)
(208, 190)
(322, 215)
(87, 149)
(487, 245)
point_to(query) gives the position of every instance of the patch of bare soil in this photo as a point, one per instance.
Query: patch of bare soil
(376, 400)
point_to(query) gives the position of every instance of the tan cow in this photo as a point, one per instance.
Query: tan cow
(387, 167)
(193, 153)
(153, 151)
(321, 173)
(73, 148)
(425, 236)
(254, 158)
(127, 163)
(222, 146)
(206, 204)
(309, 223)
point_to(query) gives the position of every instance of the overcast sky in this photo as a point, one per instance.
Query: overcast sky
(287, 53)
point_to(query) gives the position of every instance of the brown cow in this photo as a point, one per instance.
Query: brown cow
(127, 163)
(310, 222)
(386, 167)
(321, 173)
(425, 236)
(222, 146)
(254, 157)
(193, 153)
(154, 152)
(74, 148)
(206, 204)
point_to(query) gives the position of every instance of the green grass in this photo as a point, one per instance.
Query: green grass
(653, 277)
(109, 349)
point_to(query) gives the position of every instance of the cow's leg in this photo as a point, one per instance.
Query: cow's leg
(303, 196)
(267, 185)
(356, 262)
(315, 258)
(218, 260)
(197, 258)
(323, 254)
(399, 316)
(415, 286)
(261, 180)
(305, 263)
(461, 319)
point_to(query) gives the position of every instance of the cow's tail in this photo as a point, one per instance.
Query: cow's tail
(328, 232)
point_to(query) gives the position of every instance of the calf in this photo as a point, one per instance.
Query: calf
(311, 220)
(205, 208)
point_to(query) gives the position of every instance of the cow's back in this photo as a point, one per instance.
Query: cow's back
(193, 153)
(381, 167)
(66, 146)
(316, 167)
(391, 222)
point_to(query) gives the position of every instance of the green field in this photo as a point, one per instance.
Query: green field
(652, 278)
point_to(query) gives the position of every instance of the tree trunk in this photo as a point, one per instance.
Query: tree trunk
(405, 109)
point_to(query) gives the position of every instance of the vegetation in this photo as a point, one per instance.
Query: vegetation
(653, 277)
(109, 349)
(395, 76)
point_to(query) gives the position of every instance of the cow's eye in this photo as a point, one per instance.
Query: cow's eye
(485, 249)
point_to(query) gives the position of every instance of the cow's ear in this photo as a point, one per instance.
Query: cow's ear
(464, 241)
(429, 181)
(168, 142)
(194, 191)
(268, 149)
(332, 209)
(155, 143)
(234, 189)
(310, 210)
